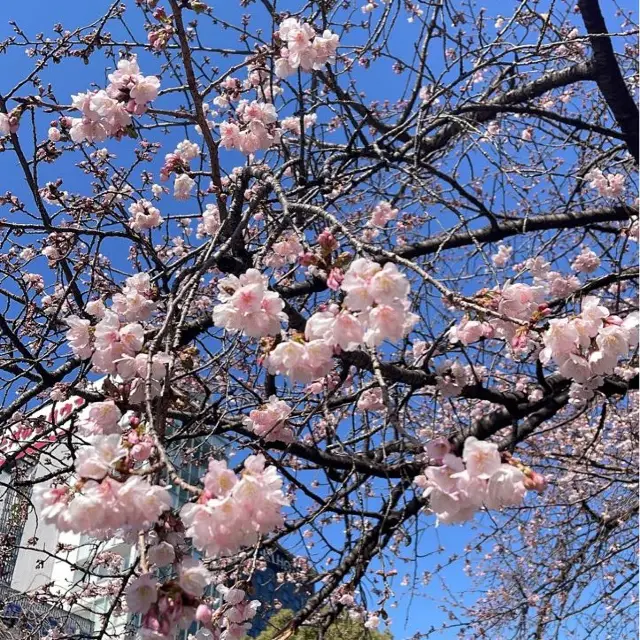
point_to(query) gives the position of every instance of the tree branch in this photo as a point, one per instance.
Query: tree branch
(609, 77)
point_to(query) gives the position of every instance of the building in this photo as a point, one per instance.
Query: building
(28, 604)
(266, 589)
(31, 566)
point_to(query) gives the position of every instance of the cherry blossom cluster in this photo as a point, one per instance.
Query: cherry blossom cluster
(457, 487)
(254, 129)
(303, 47)
(112, 342)
(376, 308)
(452, 376)
(108, 112)
(285, 251)
(301, 360)
(231, 90)
(178, 162)
(269, 422)
(609, 186)
(135, 303)
(167, 606)
(144, 216)
(589, 345)
(234, 512)
(584, 348)
(518, 301)
(503, 256)
(232, 619)
(371, 400)
(292, 123)
(107, 496)
(382, 213)
(103, 508)
(211, 223)
(100, 418)
(248, 306)
(587, 261)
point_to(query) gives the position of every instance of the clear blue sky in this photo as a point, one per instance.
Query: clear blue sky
(412, 615)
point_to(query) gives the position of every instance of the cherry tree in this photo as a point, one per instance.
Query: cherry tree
(383, 253)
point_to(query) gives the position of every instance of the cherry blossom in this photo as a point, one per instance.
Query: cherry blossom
(469, 331)
(113, 341)
(183, 186)
(285, 251)
(193, 576)
(372, 292)
(248, 306)
(210, 224)
(292, 123)
(366, 283)
(239, 513)
(254, 130)
(102, 508)
(141, 593)
(609, 186)
(382, 213)
(505, 488)
(161, 554)
(134, 302)
(337, 328)
(371, 400)
(586, 262)
(301, 361)
(79, 336)
(503, 255)
(144, 216)
(458, 487)
(481, 458)
(589, 344)
(100, 418)
(269, 422)
(304, 47)
(107, 113)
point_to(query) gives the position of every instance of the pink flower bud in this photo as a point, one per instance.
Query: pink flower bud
(535, 482)
(307, 259)
(336, 276)
(438, 448)
(327, 240)
(543, 309)
(204, 614)
(141, 451)
(519, 341)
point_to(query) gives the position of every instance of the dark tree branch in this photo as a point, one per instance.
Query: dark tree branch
(449, 240)
(608, 75)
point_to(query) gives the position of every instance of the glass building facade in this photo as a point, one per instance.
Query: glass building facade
(265, 588)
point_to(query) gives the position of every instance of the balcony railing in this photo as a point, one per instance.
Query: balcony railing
(20, 610)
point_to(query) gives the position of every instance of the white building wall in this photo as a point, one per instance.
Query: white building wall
(34, 566)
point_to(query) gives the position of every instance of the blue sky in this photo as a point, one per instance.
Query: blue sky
(73, 76)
